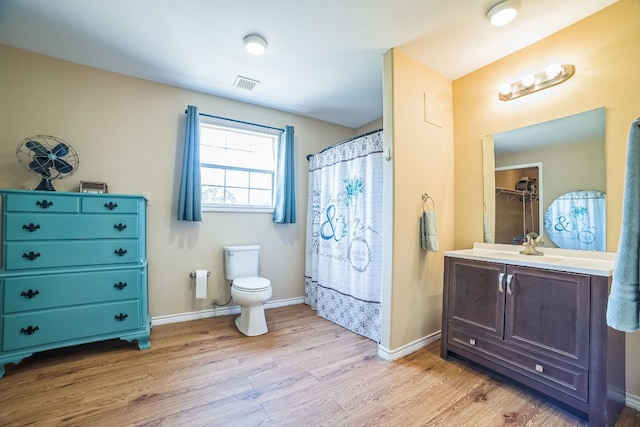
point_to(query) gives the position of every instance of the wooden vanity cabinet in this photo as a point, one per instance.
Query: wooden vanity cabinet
(545, 329)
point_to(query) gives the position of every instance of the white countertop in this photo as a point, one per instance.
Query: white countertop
(573, 261)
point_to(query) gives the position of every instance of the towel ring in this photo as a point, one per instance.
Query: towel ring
(425, 198)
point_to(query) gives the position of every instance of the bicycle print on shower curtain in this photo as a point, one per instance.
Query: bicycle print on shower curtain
(343, 265)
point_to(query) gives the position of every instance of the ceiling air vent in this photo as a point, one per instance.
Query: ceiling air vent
(245, 83)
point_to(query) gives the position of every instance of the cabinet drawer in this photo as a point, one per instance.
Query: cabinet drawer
(110, 205)
(41, 254)
(60, 290)
(41, 202)
(41, 226)
(51, 326)
(560, 376)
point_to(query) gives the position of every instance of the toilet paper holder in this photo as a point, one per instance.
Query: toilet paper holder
(193, 274)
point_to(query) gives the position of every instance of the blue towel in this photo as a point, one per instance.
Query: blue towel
(429, 231)
(624, 300)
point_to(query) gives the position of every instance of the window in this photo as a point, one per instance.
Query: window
(237, 167)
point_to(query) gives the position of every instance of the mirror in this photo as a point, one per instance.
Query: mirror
(568, 155)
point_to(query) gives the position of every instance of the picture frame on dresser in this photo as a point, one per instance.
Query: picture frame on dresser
(93, 187)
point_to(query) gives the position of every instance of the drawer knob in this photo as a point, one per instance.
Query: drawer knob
(120, 252)
(31, 227)
(120, 227)
(31, 256)
(111, 206)
(29, 294)
(29, 331)
(539, 368)
(120, 317)
(120, 286)
(472, 341)
(44, 204)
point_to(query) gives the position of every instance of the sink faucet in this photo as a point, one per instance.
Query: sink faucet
(530, 245)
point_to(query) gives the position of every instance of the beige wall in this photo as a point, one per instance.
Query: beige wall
(129, 133)
(419, 128)
(604, 49)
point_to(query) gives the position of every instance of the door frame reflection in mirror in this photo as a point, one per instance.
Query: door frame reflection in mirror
(523, 207)
(595, 164)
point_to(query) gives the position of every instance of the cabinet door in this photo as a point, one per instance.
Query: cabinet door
(548, 312)
(476, 296)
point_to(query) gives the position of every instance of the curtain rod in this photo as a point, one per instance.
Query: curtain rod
(238, 121)
(343, 142)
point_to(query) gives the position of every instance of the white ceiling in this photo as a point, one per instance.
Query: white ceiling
(324, 58)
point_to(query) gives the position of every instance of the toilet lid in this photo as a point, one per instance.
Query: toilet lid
(250, 284)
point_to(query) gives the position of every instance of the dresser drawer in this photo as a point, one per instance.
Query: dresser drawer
(44, 226)
(60, 290)
(41, 202)
(555, 374)
(43, 254)
(110, 205)
(51, 326)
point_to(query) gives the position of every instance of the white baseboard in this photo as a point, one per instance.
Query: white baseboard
(406, 349)
(215, 312)
(632, 401)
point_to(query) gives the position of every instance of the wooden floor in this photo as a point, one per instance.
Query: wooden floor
(305, 372)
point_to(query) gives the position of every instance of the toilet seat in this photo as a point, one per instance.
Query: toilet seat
(251, 284)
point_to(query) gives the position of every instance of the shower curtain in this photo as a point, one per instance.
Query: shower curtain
(343, 265)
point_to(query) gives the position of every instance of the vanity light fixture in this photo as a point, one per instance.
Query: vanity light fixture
(255, 44)
(553, 75)
(503, 13)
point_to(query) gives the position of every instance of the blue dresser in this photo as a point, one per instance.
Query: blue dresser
(74, 270)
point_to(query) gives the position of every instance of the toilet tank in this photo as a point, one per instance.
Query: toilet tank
(241, 261)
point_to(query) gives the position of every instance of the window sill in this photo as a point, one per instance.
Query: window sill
(245, 209)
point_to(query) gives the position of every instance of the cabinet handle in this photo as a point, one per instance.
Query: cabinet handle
(509, 277)
(29, 331)
(120, 252)
(44, 204)
(29, 294)
(31, 227)
(111, 206)
(120, 317)
(500, 282)
(120, 286)
(120, 226)
(31, 256)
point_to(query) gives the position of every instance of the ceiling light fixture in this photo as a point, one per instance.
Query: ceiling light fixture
(255, 44)
(553, 75)
(503, 12)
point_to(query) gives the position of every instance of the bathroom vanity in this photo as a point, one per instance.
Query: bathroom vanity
(539, 321)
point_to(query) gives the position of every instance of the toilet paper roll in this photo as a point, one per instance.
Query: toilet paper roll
(201, 284)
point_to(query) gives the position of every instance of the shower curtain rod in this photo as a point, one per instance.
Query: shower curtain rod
(343, 142)
(238, 121)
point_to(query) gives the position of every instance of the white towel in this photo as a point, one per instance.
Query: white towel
(624, 300)
(429, 231)
(488, 235)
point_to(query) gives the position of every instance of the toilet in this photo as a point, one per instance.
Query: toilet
(248, 290)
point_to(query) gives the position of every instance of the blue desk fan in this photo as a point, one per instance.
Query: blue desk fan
(49, 157)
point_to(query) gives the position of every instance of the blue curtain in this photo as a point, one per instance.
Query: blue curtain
(285, 209)
(190, 199)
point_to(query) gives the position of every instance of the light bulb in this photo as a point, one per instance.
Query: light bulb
(505, 89)
(553, 70)
(528, 80)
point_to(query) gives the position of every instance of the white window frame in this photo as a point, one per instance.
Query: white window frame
(241, 126)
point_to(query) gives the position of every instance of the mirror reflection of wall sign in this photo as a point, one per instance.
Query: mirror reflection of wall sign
(577, 220)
